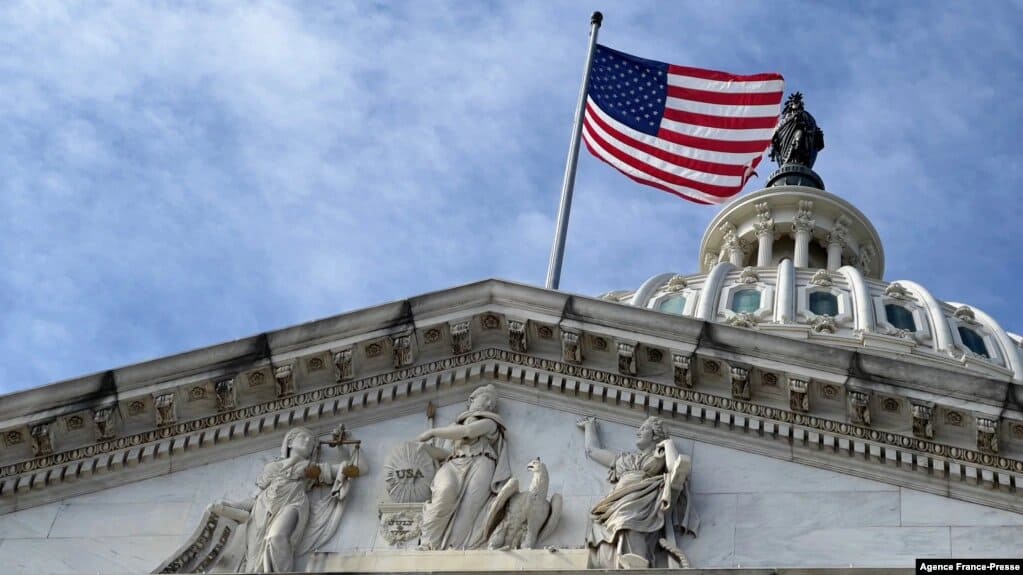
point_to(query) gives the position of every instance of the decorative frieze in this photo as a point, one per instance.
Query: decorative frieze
(859, 407)
(74, 423)
(964, 313)
(987, 435)
(823, 324)
(676, 284)
(12, 437)
(799, 397)
(890, 404)
(284, 376)
(226, 398)
(954, 418)
(461, 337)
(408, 472)
(517, 336)
(402, 354)
(748, 276)
(740, 383)
(922, 424)
(431, 335)
(166, 410)
(823, 278)
(626, 357)
(42, 440)
(571, 351)
(401, 523)
(683, 375)
(897, 291)
(343, 369)
(742, 319)
(103, 420)
(256, 379)
(778, 423)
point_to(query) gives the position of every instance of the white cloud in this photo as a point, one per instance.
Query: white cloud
(179, 175)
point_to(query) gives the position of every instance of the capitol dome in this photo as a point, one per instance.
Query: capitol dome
(797, 261)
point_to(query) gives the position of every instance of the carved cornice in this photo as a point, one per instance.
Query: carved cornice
(981, 466)
(161, 427)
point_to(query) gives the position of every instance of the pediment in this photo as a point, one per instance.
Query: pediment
(755, 509)
(867, 418)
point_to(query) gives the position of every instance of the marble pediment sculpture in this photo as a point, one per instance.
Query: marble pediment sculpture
(522, 519)
(638, 524)
(264, 533)
(469, 475)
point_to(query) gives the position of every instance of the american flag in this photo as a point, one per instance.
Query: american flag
(698, 134)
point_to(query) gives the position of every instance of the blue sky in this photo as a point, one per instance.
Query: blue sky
(174, 175)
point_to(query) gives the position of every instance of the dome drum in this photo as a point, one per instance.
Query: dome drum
(812, 227)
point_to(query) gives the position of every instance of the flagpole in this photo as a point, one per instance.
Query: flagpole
(558, 249)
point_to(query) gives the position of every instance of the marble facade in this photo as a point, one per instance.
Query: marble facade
(755, 510)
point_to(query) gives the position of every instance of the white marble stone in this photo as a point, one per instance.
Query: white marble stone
(575, 518)
(230, 480)
(755, 510)
(920, 508)
(715, 544)
(160, 489)
(439, 561)
(987, 541)
(839, 547)
(818, 509)
(94, 555)
(121, 519)
(722, 470)
(28, 523)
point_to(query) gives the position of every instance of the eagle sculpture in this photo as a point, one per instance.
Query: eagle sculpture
(522, 519)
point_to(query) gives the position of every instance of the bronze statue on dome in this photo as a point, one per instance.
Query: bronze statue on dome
(797, 138)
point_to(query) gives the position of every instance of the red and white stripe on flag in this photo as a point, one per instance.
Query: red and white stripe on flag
(698, 134)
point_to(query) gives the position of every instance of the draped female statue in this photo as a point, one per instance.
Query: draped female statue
(638, 523)
(279, 522)
(470, 474)
(797, 139)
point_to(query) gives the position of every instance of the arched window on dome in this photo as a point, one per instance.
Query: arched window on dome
(823, 303)
(746, 301)
(973, 341)
(675, 304)
(899, 317)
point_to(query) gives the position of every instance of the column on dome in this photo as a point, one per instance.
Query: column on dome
(802, 228)
(732, 245)
(836, 242)
(764, 228)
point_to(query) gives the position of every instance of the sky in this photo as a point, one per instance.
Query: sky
(178, 174)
